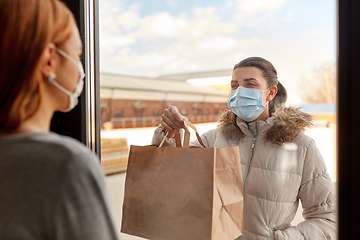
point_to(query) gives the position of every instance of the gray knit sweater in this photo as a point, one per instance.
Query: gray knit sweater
(52, 187)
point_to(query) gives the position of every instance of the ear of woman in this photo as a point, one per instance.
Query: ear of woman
(48, 61)
(272, 93)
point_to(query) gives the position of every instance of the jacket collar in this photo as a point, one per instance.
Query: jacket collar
(283, 126)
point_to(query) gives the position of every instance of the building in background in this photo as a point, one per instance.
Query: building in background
(133, 101)
(130, 101)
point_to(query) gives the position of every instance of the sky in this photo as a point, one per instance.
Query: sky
(158, 37)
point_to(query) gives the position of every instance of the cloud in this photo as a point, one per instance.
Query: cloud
(172, 3)
(128, 20)
(179, 56)
(256, 6)
(289, 17)
(204, 12)
(156, 59)
(115, 17)
(193, 39)
(211, 38)
(120, 41)
(166, 25)
(256, 13)
(218, 44)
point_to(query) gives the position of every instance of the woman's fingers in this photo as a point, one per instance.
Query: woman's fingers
(177, 116)
(170, 121)
(168, 128)
(172, 118)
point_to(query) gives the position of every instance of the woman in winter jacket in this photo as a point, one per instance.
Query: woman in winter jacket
(280, 164)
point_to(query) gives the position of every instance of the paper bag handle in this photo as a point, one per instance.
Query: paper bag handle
(187, 124)
(162, 142)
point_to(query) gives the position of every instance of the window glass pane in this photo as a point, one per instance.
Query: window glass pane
(157, 54)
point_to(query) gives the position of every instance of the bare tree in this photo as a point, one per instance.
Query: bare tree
(320, 86)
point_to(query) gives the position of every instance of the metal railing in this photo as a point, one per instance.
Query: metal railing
(135, 122)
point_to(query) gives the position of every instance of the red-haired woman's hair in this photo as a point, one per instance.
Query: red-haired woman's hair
(26, 27)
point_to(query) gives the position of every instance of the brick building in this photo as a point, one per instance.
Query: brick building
(129, 101)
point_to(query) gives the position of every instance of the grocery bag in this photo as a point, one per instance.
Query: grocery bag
(182, 193)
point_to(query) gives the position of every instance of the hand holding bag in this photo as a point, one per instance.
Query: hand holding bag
(182, 193)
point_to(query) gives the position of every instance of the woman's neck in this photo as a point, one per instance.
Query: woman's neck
(37, 122)
(34, 124)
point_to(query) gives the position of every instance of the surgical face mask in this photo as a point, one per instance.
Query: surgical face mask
(246, 103)
(73, 96)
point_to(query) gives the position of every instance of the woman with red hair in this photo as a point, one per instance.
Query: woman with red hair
(51, 187)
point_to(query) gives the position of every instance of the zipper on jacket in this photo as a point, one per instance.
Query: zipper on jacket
(252, 155)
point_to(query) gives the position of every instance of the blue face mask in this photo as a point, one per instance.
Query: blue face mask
(246, 103)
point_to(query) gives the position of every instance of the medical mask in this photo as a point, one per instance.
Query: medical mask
(246, 103)
(73, 97)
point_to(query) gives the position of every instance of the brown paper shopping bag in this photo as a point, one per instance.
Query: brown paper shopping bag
(182, 193)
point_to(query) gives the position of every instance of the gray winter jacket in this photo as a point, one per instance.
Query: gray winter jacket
(280, 166)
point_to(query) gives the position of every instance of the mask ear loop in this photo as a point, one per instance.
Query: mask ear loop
(268, 102)
(77, 63)
(52, 78)
(64, 54)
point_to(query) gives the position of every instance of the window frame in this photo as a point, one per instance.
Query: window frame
(83, 122)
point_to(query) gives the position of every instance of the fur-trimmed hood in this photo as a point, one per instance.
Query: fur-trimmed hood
(288, 123)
